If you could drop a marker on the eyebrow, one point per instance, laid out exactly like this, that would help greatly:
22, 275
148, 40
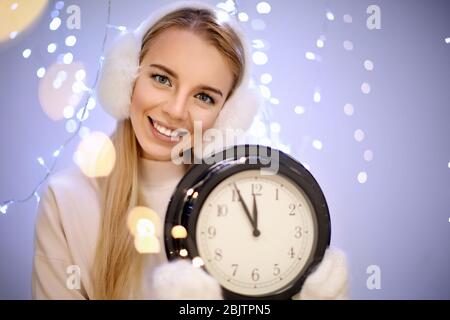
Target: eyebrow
173, 74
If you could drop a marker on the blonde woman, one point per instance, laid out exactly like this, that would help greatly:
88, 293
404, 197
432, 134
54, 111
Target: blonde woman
186, 64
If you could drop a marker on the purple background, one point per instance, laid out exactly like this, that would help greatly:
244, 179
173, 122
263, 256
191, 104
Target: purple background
397, 220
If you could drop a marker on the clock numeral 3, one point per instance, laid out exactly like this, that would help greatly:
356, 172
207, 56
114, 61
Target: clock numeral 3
298, 232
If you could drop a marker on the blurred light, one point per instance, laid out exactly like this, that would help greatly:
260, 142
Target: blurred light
71, 126
54, 14
320, 43
257, 44
266, 78
265, 91
348, 109
84, 131
26, 53
56, 153
368, 65
139, 213
368, 155
3, 209
70, 41
179, 232
348, 18
228, 6
96, 155
258, 24
275, 127
449, 164
365, 88
447, 40
90, 104
82, 114
55, 23
68, 58
316, 97
197, 262
259, 58
222, 16
243, 16
57, 83
147, 244
80, 75
263, 8
330, 16
317, 144
183, 252
41, 161
359, 135
40, 72
59, 5
348, 45
15, 20
68, 112
51, 47
310, 56
13, 34
299, 110
362, 177
145, 227
274, 101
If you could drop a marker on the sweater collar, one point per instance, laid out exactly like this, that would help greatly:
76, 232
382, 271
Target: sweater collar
156, 173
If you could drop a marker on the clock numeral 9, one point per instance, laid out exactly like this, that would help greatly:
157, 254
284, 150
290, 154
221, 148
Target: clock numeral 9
276, 269
211, 232
222, 210
298, 232
255, 274
218, 254
292, 209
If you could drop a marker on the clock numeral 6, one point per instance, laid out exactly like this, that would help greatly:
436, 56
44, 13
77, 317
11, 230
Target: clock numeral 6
222, 210
255, 274
218, 254
211, 232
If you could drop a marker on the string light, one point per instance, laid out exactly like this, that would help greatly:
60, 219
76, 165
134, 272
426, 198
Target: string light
54, 24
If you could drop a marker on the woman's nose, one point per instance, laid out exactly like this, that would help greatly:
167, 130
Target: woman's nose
177, 107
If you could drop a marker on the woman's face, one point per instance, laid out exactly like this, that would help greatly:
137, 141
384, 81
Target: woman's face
182, 79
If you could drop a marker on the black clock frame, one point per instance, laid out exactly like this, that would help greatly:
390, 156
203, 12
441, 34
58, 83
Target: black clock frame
184, 207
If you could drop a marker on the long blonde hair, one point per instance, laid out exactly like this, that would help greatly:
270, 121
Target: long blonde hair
118, 266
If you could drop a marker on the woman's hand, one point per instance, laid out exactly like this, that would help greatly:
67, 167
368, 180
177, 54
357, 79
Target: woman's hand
180, 280
329, 281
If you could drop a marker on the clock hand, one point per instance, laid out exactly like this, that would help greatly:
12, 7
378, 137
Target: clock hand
245, 207
256, 232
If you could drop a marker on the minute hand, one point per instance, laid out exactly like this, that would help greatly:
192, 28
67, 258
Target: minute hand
247, 212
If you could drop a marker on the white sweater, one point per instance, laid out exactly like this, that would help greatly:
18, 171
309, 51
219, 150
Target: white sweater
68, 222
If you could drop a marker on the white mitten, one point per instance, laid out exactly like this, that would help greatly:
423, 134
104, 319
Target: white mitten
180, 280
329, 281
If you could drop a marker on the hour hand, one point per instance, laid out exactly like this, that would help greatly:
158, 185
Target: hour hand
256, 231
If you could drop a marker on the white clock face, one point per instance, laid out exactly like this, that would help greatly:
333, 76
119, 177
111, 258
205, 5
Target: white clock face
256, 256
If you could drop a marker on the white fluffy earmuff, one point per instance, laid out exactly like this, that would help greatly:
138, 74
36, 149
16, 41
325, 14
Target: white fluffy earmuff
121, 64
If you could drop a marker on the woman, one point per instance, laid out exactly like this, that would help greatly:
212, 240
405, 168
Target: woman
183, 66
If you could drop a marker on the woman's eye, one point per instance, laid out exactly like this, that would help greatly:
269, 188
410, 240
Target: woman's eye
161, 79
205, 98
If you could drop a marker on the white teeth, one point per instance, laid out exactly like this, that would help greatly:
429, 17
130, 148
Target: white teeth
167, 132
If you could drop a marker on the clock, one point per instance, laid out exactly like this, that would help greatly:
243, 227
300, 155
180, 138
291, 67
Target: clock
254, 217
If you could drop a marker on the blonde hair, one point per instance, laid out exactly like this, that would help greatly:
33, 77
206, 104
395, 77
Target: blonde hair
117, 268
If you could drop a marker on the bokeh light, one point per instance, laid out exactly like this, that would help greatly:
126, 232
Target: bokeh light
139, 213
179, 232
95, 155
